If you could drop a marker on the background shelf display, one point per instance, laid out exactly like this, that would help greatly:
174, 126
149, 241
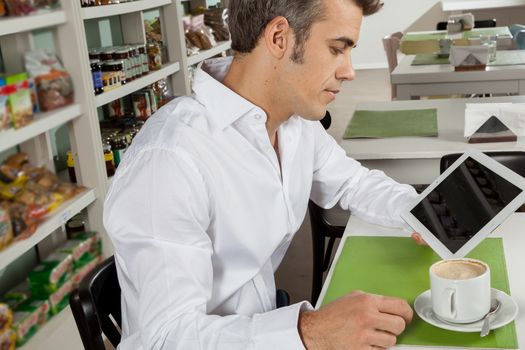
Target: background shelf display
11, 25
153, 76
205, 54
120, 9
53, 221
43, 122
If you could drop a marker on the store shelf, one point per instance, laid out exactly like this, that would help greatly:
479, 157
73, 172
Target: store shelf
42, 123
203, 55
52, 222
59, 332
166, 70
11, 25
121, 9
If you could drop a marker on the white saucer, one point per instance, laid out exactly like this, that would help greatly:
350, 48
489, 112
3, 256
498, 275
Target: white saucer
506, 314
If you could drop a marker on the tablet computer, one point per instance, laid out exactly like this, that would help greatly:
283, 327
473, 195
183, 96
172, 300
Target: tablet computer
465, 204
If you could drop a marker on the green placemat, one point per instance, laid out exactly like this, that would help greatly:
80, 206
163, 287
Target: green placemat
398, 267
413, 122
428, 58
475, 33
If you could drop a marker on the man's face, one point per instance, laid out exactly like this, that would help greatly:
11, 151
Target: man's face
308, 87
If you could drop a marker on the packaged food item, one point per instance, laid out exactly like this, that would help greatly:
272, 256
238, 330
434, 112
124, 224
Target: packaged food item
70, 162
46, 4
116, 109
6, 230
22, 222
75, 224
5, 120
217, 20
6, 317
51, 274
19, 99
19, 7
109, 160
198, 33
80, 249
53, 82
89, 265
8, 340
152, 99
153, 30
154, 56
2, 13
58, 300
96, 74
17, 295
27, 317
92, 236
141, 105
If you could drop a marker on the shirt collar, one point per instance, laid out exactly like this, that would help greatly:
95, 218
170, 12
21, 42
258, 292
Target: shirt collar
226, 105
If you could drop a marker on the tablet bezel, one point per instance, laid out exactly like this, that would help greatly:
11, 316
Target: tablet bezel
494, 166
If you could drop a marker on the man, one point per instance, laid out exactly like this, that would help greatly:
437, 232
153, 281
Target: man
208, 197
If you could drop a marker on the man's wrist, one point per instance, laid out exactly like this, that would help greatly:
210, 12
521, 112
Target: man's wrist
306, 329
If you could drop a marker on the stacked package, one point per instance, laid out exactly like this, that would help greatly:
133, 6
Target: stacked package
25, 308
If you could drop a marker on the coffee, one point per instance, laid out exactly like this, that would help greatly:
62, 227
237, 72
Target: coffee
459, 269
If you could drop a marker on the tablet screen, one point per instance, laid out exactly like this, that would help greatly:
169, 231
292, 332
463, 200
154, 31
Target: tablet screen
463, 203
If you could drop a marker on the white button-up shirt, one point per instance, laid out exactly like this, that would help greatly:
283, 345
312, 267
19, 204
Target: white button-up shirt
201, 213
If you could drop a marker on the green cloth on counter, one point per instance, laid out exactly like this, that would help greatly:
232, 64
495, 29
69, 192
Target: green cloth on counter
413, 122
396, 266
428, 59
442, 34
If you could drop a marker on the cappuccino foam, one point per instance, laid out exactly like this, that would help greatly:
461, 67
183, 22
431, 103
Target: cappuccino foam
459, 269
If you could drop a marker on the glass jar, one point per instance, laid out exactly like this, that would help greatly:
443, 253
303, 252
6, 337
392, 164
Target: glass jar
119, 145
96, 74
108, 159
86, 3
116, 109
143, 59
116, 67
110, 78
75, 224
107, 54
94, 54
135, 61
122, 55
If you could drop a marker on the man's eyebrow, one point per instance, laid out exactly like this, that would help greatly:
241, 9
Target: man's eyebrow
346, 41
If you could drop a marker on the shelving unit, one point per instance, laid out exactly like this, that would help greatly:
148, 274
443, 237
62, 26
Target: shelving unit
121, 9
166, 70
50, 224
204, 55
42, 123
69, 32
12, 25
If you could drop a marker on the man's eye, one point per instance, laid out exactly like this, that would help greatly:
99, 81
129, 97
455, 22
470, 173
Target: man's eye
336, 51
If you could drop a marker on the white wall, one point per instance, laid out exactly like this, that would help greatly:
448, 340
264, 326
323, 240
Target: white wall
395, 16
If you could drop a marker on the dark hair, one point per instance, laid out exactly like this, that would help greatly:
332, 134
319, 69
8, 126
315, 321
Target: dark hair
248, 18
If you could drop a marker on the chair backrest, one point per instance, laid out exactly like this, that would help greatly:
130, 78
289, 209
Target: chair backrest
391, 44
96, 300
514, 160
482, 23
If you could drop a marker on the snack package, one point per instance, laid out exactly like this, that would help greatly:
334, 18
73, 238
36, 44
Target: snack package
19, 102
141, 105
93, 238
217, 20
51, 274
17, 295
6, 317
82, 250
23, 219
58, 300
8, 340
5, 120
53, 83
27, 317
6, 230
89, 265
19, 7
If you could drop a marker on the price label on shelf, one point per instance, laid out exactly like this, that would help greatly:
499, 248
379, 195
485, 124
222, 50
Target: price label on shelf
65, 216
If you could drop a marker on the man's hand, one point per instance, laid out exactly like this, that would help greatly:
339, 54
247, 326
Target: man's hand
355, 321
418, 239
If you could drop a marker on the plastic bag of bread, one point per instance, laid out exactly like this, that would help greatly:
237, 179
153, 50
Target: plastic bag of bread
53, 83
23, 222
19, 7
6, 230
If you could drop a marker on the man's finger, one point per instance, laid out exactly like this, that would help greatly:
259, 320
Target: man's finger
396, 306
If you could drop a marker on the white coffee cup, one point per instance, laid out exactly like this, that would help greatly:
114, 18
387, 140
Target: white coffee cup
460, 289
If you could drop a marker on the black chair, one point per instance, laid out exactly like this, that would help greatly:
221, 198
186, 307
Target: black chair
514, 160
322, 228
96, 300
484, 23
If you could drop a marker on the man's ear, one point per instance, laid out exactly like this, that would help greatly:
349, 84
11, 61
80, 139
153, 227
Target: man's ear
277, 36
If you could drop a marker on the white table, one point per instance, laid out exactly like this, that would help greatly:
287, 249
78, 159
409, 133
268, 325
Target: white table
461, 5
441, 79
415, 160
513, 242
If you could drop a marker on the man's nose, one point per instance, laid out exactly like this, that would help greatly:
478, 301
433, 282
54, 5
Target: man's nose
346, 70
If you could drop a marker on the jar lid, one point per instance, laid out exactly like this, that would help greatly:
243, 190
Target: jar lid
121, 51
94, 60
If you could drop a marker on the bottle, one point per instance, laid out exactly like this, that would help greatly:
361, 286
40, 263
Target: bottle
108, 158
71, 167
96, 73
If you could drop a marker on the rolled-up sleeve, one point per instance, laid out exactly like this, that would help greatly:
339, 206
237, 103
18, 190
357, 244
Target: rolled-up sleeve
157, 213
369, 194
